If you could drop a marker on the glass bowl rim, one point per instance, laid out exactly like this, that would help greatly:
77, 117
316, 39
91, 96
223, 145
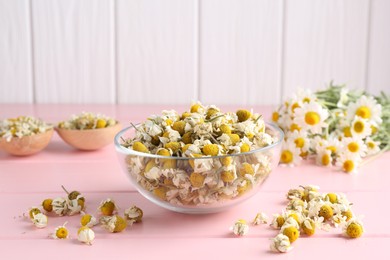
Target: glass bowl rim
122, 149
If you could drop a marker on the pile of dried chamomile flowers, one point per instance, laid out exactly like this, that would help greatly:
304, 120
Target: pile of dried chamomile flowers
74, 203
87, 120
22, 126
307, 211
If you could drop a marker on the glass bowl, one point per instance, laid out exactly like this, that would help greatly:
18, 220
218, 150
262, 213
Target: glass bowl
199, 185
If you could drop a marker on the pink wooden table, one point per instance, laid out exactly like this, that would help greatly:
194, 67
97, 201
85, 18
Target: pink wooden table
26, 181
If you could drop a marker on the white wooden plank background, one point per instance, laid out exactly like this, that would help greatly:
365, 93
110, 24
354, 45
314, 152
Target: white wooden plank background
15, 52
324, 41
72, 48
378, 68
239, 43
154, 51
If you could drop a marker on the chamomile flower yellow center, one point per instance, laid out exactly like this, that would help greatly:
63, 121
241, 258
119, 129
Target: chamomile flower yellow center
348, 166
371, 145
332, 148
347, 131
354, 230
325, 159
62, 233
358, 127
286, 156
373, 129
353, 147
312, 118
275, 116
306, 100
294, 106
294, 127
299, 142
363, 112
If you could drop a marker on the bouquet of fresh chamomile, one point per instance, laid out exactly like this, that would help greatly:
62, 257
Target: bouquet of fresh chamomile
336, 126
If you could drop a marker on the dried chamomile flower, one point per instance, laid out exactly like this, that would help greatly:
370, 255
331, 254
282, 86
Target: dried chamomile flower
22, 126
39, 220
326, 211
87, 120
114, 223
353, 228
33, 211
47, 205
240, 228
291, 232
294, 194
61, 232
261, 218
60, 206
85, 235
108, 207
76, 202
277, 221
134, 214
88, 220
280, 243
309, 226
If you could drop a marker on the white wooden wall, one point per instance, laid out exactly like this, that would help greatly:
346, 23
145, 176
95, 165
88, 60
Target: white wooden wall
175, 51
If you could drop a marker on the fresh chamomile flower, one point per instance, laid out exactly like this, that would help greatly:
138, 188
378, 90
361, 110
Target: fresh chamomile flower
240, 228
114, 223
290, 154
261, 218
88, 220
300, 139
108, 207
61, 232
365, 107
360, 127
60, 206
280, 243
85, 235
304, 96
40, 220
348, 162
354, 146
311, 116
353, 228
372, 146
134, 214
324, 156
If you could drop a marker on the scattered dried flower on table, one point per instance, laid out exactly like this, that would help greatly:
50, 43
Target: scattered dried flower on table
85, 235
280, 243
240, 228
134, 214
61, 232
88, 220
309, 210
108, 207
114, 223
261, 218
337, 126
40, 220
60, 206
47, 205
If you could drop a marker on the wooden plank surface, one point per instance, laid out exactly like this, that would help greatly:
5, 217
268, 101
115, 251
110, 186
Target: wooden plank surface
26, 181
